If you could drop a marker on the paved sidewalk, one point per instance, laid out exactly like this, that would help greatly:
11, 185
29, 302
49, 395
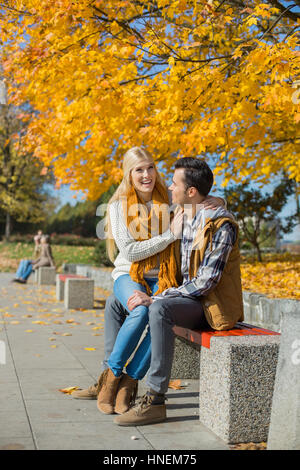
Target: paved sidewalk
45, 351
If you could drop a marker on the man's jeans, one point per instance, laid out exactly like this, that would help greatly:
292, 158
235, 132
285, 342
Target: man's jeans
163, 315
131, 331
24, 269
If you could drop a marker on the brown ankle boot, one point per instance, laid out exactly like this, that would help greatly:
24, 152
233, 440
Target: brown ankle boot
107, 390
126, 394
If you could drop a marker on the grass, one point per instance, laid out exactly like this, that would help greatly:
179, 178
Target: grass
12, 253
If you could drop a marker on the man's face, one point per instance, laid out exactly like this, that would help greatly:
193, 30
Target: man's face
178, 189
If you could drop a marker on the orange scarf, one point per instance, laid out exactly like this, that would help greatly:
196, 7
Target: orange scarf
139, 223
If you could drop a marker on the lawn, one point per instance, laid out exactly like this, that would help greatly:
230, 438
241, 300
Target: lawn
12, 253
277, 276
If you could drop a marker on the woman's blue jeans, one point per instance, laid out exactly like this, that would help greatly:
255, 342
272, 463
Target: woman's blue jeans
131, 331
24, 269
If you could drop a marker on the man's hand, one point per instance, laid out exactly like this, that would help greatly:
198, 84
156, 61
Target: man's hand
138, 298
176, 224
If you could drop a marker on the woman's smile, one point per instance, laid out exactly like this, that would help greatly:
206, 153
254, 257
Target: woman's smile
143, 179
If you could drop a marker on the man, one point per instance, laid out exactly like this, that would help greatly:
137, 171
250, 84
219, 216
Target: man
210, 293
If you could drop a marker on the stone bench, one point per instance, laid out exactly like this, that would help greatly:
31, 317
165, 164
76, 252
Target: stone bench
60, 284
45, 275
79, 293
236, 371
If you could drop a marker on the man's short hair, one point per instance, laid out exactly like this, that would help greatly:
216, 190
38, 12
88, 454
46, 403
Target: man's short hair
197, 174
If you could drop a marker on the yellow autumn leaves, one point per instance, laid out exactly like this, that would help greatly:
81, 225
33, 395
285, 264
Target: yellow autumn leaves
180, 77
278, 278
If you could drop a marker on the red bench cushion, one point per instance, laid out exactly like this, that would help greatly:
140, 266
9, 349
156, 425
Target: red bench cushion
203, 337
63, 277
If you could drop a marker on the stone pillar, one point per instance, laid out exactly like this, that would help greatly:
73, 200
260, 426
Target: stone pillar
237, 376
46, 275
79, 293
284, 432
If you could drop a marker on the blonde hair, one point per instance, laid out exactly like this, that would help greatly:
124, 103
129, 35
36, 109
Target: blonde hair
132, 158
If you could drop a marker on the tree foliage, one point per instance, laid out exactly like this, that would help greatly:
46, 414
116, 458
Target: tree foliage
258, 214
22, 197
80, 219
181, 77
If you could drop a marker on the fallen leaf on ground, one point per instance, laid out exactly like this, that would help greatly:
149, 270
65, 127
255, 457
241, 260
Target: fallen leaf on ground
52, 339
68, 390
90, 349
53, 346
58, 322
14, 322
28, 331
175, 384
39, 322
251, 446
67, 334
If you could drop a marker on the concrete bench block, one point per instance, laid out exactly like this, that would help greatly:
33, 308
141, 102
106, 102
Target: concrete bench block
186, 360
46, 275
60, 288
236, 383
284, 432
79, 293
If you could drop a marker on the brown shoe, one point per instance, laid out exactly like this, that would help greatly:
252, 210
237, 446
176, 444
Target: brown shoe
86, 394
143, 413
107, 387
126, 394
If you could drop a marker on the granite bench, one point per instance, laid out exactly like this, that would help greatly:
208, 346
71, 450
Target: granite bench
236, 371
45, 275
79, 293
60, 284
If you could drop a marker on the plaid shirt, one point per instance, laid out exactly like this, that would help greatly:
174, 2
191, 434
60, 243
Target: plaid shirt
211, 269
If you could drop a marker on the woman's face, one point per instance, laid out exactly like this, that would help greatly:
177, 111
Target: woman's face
143, 177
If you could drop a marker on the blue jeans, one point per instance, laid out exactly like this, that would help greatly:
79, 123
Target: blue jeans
24, 269
131, 331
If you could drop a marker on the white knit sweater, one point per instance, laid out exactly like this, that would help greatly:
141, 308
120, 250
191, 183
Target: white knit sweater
131, 250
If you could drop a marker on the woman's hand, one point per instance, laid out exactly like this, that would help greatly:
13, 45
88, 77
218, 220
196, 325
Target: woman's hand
138, 298
176, 224
212, 202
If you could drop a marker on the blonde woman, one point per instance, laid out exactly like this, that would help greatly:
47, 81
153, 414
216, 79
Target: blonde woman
139, 228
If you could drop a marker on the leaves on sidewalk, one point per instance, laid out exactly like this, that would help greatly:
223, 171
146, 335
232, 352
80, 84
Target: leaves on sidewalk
176, 384
68, 390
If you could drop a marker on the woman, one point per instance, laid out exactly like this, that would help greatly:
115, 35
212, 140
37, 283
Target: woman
46, 257
138, 225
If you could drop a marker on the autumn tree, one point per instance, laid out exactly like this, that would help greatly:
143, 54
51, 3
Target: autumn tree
258, 213
22, 176
183, 78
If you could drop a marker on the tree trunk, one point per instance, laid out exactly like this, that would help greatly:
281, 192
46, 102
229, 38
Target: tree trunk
8, 226
259, 257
